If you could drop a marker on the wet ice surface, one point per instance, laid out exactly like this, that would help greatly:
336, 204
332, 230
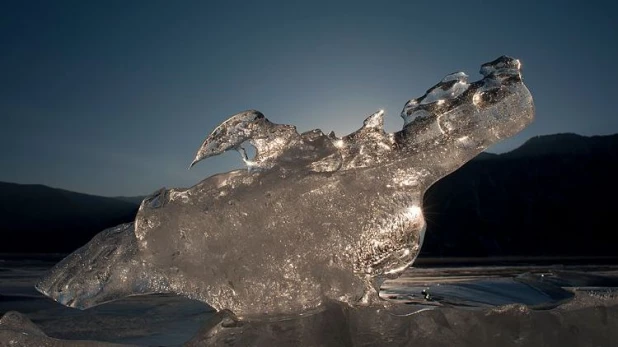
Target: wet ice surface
482, 319
316, 218
584, 324
166, 320
538, 287
145, 321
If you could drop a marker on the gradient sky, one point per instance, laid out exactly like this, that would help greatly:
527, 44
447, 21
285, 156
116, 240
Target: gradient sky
114, 97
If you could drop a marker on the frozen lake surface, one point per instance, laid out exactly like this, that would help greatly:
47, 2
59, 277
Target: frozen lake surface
463, 303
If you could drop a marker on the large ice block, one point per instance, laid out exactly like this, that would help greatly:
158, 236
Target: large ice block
317, 218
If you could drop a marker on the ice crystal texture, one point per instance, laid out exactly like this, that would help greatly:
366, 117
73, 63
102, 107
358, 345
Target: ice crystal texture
316, 217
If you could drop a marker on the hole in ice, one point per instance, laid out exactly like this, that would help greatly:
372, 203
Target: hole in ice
250, 150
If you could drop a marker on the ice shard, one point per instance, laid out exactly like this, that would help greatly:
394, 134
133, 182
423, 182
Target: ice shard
317, 218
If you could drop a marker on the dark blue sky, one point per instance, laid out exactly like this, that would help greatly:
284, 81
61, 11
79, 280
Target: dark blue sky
114, 97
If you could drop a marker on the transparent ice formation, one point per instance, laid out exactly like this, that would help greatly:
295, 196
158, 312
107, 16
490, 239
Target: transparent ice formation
317, 218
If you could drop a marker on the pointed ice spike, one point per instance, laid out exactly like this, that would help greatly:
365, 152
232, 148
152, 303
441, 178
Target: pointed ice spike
195, 161
229, 135
375, 121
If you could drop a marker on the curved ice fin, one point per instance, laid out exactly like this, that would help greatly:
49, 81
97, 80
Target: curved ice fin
230, 134
269, 139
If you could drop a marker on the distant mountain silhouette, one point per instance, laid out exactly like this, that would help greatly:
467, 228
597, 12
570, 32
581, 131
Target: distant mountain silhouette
37, 218
553, 196
567, 144
137, 200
